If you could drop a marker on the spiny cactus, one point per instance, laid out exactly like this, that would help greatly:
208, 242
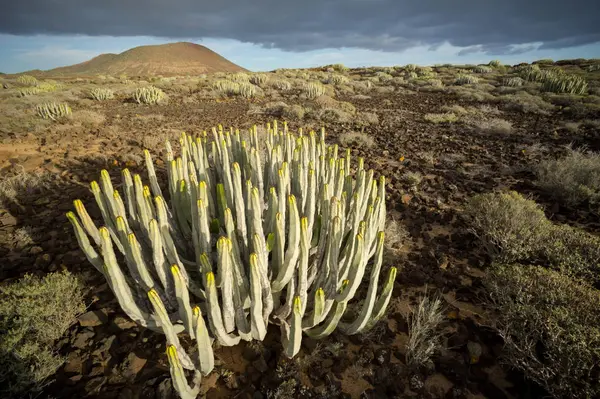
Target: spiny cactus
411, 75
229, 88
259, 79
101, 94
239, 77
336, 79
49, 86
27, 80
53, 110
563, 83
514, 81
464, 79
243, 242
148, 95
29, 91
482, 69
495, 63
313, 89
281, 84
411, 67
248, 90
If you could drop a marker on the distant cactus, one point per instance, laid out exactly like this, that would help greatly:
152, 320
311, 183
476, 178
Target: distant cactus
383, 76
412, 75
495, 63
259, 79
239, 77
514, 81
593, 68
247, 90
281, 84
336, 79
464, 79
49, 85
339, 68
27, 80
101, 94
563, 83
313, 89
531, 73
54, 111
29, 91
226, 87
148, 95
411, 67
482, 69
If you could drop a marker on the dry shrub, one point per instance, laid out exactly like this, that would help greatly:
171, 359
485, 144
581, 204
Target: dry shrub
455, 109
34, 313
367, 118
294, 112
494, 126
550, 327
357, 139
413, 179
509, 226
526, 103
19, 183
572, 180
573, 252
424, 336
88, 118
447, 117
334, 115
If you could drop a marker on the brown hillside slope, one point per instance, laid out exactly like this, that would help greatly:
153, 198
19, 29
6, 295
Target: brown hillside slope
180, 58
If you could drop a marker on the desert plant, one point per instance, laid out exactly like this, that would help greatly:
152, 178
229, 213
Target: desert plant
27, 80
593, 68
563, 83
49, 86
29, 91
550, 327
447, 117
34, 313
513, 81
239, 77
573, 252
464, 79
383, 76
259, 79
509, 226
482, 69
313, 89
281, 84
531, 73
285, 241
101, 94
424, 337
411, 75
495, 63
339, 67
54, 111
572, 180
494, 125
411, 67
359, 139
148, 95
336, 79
226, 87
247, 90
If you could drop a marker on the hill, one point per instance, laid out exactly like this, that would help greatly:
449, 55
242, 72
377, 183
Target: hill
180, 58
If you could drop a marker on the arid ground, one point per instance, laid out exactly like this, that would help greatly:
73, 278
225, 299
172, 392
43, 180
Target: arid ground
438, 141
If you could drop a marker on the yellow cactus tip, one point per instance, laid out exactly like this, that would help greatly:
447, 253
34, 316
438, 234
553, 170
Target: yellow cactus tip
171, 351
196, 310
174, 269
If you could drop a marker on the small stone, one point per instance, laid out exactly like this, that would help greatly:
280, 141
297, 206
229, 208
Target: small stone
74, 364
123, 324
43, 260
474, 352
95, 384
132, 365
165, 390
82, 339
327, 363
382, 356
74, 379
261, 365
92, 318
7, 219
35, 250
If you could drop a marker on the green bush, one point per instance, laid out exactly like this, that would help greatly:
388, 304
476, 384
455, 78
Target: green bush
573, 252
34, 313
550, 326
572, 180
510, 226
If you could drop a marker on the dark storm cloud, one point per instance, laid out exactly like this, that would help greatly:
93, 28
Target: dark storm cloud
490, 26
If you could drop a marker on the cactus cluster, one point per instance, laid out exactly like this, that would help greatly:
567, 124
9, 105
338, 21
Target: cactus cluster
563, 83
336, 79
239, 77
148, 95
243, 242
229, 88
101, 94
495, 63
281, 84
53, 110
259, 79
482, 69
27, 80
531, 73
313, 89
513, 81
465, 79
29, 91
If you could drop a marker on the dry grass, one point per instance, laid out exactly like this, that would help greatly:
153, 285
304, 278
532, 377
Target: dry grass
447, 117
574, 179
20, 183
356, 139
88, 118
494, 126
413, 179
424, 335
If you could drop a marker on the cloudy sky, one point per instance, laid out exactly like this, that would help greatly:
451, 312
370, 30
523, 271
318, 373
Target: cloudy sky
269, 34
